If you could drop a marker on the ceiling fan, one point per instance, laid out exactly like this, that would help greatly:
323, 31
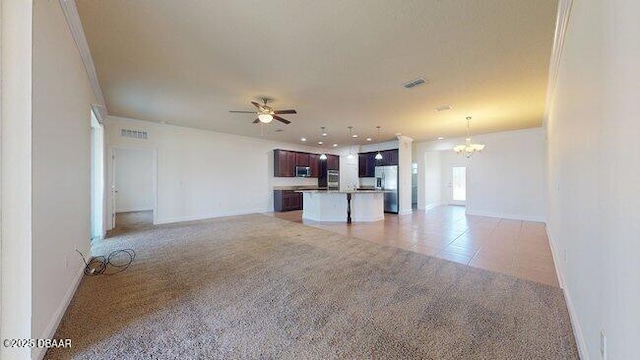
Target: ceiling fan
266, 113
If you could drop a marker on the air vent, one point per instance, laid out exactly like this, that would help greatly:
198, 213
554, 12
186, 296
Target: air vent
413, 83
134, 134
444, 108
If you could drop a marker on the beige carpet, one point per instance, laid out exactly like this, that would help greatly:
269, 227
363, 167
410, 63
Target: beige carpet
257, 287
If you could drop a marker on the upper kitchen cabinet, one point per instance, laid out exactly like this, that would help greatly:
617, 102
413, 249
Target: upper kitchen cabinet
367, 162
314, 164
333, 162
302, 159
366, 165
284, 163
389, 157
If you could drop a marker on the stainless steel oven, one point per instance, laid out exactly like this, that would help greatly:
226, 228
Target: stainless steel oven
333, 179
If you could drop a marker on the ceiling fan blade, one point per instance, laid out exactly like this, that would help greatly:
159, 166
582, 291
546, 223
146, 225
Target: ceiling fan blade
256, 104
242, 112
285, 112
281, 119
256, 121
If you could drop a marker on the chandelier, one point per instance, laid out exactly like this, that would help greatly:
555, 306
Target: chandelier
468, 148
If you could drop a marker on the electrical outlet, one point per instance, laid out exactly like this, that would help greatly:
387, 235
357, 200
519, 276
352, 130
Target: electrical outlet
603, 345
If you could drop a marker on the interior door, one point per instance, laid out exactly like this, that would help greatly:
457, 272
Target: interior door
457, 185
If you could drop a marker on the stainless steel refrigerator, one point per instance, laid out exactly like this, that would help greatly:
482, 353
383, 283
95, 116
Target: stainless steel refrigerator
387, 180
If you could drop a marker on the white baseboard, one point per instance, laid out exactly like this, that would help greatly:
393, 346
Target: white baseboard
161, 221
506, 216
431, 206
50, 331
575, 324
133, 209
405, 212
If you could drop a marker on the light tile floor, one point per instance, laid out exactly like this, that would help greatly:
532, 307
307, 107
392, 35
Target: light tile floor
514, 247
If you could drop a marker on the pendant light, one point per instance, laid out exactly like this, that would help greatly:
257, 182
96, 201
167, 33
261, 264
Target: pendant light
323, 132
378, 155
350, 156
468, 148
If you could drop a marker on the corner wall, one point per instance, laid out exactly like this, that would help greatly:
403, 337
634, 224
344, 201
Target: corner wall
62, 99
16, 175
594, 175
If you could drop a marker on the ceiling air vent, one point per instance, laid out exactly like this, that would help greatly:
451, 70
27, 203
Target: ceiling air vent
443, 108
413, 83
134, 134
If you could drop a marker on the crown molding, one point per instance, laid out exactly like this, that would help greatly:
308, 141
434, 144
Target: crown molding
562, 22
75, 26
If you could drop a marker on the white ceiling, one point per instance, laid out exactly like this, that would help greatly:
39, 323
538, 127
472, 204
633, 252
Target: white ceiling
339, 63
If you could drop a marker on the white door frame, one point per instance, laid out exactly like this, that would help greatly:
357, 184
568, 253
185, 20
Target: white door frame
111, 165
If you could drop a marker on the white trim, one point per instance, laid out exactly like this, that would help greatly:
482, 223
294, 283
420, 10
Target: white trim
50, 331
405, 212
211, 216
506, 216
562, 21
75, 26
432, 206
134, 209
573, 315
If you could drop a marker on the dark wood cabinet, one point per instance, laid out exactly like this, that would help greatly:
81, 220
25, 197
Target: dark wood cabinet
367, 162
367, 165
314, 164
389, 157
333, 162
286, 200
302, 159
285, 162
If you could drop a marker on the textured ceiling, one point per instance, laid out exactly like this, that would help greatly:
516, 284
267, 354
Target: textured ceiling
339, 63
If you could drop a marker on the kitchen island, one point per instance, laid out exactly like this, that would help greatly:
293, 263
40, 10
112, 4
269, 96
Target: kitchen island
343, 206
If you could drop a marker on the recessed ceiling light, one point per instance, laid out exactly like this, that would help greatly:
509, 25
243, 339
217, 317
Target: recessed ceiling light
303, 139
324, 134
335, 145
354, 136
440, 138
443, 108
319, 142
369, 139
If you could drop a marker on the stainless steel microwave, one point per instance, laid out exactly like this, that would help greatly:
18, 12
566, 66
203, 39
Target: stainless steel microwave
303, 171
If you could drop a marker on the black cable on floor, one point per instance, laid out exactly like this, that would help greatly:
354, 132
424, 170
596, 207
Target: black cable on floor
100, 265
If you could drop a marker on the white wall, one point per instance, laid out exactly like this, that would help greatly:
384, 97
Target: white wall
594, 175
134, 179
15, 116
62, 99
431, 170
203, 174
97, 179
507, 179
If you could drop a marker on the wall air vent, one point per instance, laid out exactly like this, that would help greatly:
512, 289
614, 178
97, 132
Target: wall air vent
413, 83
134, 134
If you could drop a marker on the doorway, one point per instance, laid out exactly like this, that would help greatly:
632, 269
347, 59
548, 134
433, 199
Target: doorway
414, 186
458, 185
132, 179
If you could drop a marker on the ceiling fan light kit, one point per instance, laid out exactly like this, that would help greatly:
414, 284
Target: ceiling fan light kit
266, 113
468, 148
